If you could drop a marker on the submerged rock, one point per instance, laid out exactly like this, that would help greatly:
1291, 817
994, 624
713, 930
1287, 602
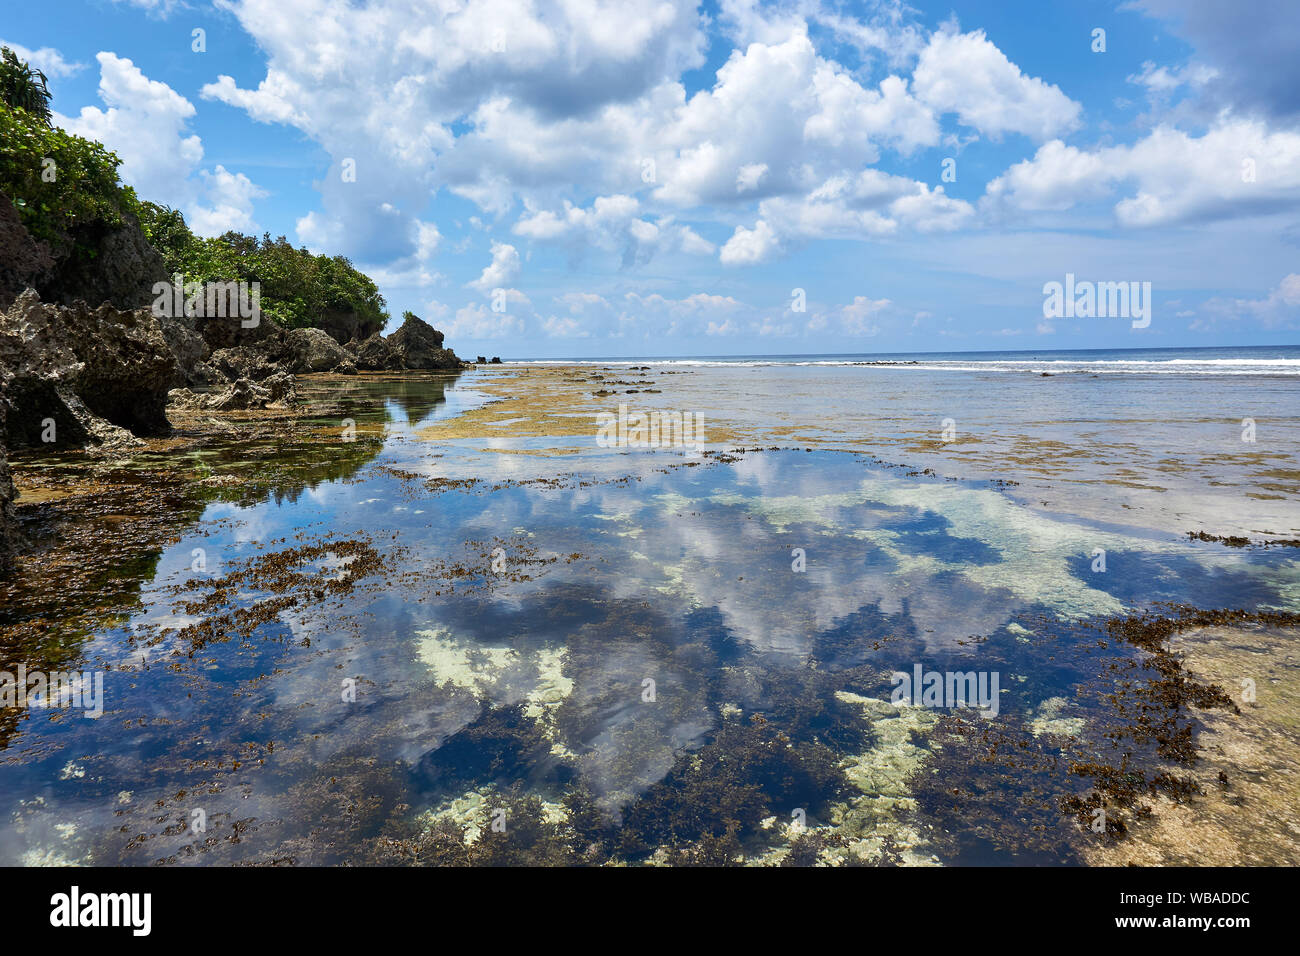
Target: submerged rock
8, 526
74, 375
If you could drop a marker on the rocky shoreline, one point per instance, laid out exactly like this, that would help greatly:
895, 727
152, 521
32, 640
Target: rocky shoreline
104, 378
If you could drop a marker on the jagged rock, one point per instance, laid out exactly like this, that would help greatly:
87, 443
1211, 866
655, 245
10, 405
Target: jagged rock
240, 395
347, 326
190, 349
122, 271
278, 390
496, 360
95, 374
229, 331
24, 261
283, 388
244, 361
376, 355
419, 346
311, 350
481, 360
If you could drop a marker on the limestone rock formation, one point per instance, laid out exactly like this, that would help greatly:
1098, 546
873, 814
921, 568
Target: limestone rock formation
310, 350
88, 373
24, 262
276, 391
418, 345
376, 355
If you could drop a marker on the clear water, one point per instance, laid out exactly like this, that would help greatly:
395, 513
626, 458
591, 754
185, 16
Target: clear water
680, 642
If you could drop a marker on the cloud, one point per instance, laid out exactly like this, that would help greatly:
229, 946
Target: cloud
612, 222
163, 8
501, 271
1280, 309
230, 203
964, 73
1254, 54
750, 246
513, 62
1238, 167
870, 205
47, 59
1161, 81
477, 322
145, 122
861, 316
735, 140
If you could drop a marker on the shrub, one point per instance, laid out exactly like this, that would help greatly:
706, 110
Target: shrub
70, 198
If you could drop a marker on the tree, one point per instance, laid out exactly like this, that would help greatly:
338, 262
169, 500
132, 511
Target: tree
23, 88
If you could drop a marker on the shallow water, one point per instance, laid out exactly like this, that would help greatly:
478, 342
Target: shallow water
686, 647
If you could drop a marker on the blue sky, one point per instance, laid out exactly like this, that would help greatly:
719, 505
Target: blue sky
545, 178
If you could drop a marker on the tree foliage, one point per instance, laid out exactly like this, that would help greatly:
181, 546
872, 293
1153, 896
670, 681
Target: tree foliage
64, 186
297, 287
22, 88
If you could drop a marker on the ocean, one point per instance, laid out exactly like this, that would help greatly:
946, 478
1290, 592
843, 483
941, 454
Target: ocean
893, 614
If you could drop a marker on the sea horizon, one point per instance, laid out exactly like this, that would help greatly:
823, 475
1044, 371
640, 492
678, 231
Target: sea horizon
1246, 355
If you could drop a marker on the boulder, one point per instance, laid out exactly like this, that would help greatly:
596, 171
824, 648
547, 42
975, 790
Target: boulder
241, 394
347, 326
229, 331
419, 346
376, 355
98, 374
243, 361
310, 350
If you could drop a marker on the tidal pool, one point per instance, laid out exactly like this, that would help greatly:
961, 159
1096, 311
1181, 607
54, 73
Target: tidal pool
431, 654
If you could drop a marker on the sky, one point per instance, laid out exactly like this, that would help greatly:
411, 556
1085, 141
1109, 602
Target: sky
566, 178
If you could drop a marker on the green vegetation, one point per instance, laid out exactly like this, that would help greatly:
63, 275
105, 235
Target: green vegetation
65, 187
67, 192
297, 288
23, 88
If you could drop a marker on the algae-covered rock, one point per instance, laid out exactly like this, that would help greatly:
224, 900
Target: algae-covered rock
8, 526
